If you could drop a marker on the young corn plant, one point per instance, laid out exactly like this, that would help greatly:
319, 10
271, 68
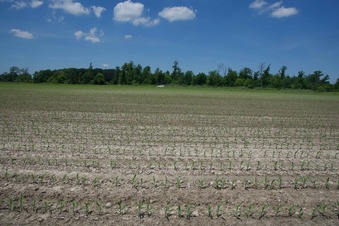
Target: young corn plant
201, 184
291, 210
237, 211
179, 210
120, 207
87, 208
296, 183
34, 206
188, 212
74, 207
263, 211
314, 213
304, 181
218, 183
167, 212
327, 183
322, 207
139, 210
218, 210
149, 209
280, 182
272, 184
11, 205
61, 206
154, 182
256, 183
249, 211
233, 184
209, 211
266, 182
179, 181
175, 165
246, 184
134, 181
277, 210
21, 202
99, 207
301, 212
47, 205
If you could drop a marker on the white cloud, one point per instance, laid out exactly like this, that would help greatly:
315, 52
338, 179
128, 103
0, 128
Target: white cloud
19, 5
284, 12
98, 10
21, 34
79, 34
26, 4
69, 6
131, 12
275, 5
36, 3
146, 21
258, 4
128, 36
92, 36
276, 9
177, 13
127, 11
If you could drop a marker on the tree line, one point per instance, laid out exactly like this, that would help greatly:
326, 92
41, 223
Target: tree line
130, 73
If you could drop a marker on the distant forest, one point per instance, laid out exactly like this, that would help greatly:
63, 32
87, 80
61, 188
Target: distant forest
131, 74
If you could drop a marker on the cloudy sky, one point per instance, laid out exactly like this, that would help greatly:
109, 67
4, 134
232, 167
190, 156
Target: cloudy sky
200, 34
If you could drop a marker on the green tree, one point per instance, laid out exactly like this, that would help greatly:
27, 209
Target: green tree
214, 78
239, 82
315, 80
188, 78
177, 75
42, 76
147, 76
336, 85
88, 76
245, 73
265, 77
200, 79
275, 81
99, 79
159, 76
230, 77
282, 72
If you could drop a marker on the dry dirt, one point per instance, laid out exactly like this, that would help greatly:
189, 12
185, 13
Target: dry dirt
146, 158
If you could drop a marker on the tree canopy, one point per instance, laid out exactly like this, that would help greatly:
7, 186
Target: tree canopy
130, 73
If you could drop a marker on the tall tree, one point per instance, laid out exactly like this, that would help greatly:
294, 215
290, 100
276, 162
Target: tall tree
200, 79
282, 72
265, 77
188, 78
175, 76
231, 77
214, 79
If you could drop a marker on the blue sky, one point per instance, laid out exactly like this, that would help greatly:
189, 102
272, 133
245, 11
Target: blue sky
200, 34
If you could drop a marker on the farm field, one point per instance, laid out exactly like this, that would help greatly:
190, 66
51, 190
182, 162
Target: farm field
141, 155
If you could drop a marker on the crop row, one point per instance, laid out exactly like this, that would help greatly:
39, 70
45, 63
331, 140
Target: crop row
227, 165
135, 181
146, 208
169, 150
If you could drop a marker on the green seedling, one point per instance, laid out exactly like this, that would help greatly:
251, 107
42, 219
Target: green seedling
188, 212
218, 211
209, 211
263, 211
237, 211
249, 211
166, 212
